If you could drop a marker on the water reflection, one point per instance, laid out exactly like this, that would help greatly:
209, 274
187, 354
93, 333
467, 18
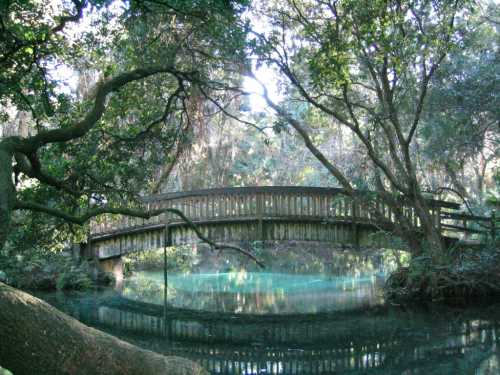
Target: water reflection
380, 341
347, 280
257, 293
324, 317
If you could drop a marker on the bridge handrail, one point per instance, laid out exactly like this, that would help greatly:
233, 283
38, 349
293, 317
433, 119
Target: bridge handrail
276, 189
258, 203
461, 222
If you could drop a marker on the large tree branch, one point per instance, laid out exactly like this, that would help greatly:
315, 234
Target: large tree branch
82, 219
392, 146
309, 143
31, 167
32, 144
426, 77
389, 100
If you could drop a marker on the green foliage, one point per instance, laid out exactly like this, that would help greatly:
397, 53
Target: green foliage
143, 122
179, 259
74, 277
460, 128
45, 271
455, 277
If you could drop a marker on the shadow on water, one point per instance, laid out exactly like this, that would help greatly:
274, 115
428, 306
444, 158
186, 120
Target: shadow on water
242, 322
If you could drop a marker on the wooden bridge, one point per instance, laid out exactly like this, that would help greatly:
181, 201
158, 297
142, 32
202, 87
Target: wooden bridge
273, 213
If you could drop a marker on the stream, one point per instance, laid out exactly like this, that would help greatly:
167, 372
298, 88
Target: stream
291, 320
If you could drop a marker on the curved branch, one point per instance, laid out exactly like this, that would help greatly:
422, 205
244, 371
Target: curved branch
79, 129
82, 219
31, 167
79, 5
159, 120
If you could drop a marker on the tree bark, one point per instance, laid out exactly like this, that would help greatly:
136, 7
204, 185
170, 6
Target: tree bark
431, 234
36, 338
7, 193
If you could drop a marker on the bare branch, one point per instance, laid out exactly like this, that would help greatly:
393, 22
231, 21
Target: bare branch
308, 142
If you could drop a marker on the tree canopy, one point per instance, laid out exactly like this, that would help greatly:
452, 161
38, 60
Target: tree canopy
102, 101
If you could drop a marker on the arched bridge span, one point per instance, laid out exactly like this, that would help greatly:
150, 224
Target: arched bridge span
260, 214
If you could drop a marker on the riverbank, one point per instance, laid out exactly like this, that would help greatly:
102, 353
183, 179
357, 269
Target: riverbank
51, 271
458, 277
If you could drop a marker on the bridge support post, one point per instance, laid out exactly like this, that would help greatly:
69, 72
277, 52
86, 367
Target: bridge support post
113, 266
260, 216
167, 242
355, 215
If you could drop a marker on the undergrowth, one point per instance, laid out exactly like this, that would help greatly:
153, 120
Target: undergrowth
457, 276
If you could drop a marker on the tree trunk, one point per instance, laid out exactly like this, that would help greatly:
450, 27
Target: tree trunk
431, 233
7, 194
36, 338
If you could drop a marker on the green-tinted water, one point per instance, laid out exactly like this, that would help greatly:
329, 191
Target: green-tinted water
257, 292
247, 322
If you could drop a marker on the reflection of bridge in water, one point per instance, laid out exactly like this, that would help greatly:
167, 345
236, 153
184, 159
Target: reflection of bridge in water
265, 214
354, 342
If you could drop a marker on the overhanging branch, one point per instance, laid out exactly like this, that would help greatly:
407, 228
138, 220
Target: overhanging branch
32, 144
82, 219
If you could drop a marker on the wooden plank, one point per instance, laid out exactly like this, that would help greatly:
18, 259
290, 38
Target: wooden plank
451, 215
463, 229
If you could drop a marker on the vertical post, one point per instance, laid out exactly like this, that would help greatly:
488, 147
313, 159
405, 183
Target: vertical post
89, 245
167, 241
493, 226
466, 234
260, 214
354, 217
89, 238
438, 218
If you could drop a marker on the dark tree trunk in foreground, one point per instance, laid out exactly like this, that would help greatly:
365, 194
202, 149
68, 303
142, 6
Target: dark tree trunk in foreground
7, 194
36, 338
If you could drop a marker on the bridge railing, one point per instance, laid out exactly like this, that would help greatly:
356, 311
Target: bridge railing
468, 225
262, 203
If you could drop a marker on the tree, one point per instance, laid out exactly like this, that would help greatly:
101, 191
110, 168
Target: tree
85, 155
367, 66
460, 128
